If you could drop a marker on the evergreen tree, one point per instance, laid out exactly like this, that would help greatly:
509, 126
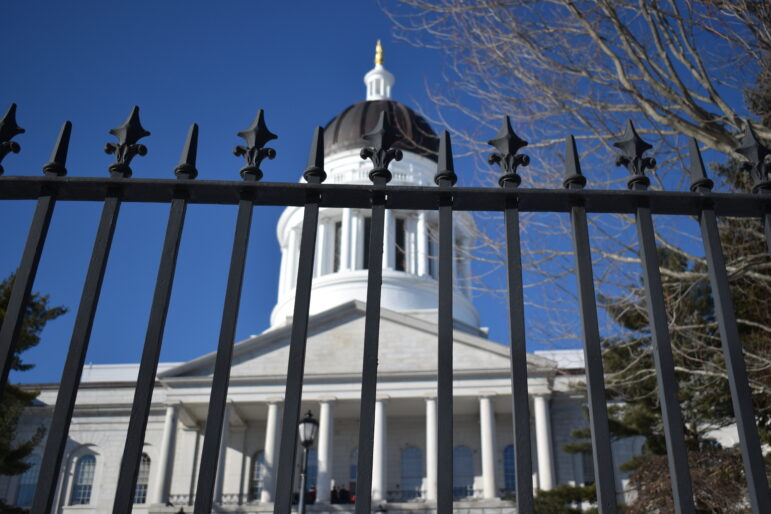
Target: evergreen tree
14, 453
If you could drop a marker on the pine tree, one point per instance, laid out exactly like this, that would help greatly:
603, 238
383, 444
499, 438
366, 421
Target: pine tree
13, 452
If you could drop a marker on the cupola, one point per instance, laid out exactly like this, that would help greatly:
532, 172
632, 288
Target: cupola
410, 265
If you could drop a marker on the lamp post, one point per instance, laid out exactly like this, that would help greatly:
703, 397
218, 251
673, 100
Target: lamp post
308, 428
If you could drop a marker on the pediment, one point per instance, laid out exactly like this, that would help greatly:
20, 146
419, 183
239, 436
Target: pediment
407, 345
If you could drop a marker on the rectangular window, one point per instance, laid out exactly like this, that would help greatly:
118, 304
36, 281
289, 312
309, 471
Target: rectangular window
401, 255
338, 243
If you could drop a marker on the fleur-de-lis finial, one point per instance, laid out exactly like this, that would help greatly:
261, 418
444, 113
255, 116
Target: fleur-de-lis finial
315, 173
445, 169
56, 166
755, 153
8, 130
574, 178
382, 137
700, 182
127, 147
256, 136
508, 144
186, 168
632, 147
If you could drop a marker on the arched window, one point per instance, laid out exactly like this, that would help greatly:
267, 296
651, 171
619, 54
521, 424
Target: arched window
83, 480
27, 482
412, 472
509, 470
257, 479
462, 472
143, 478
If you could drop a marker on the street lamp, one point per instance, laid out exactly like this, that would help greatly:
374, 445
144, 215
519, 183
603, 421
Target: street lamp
308, 427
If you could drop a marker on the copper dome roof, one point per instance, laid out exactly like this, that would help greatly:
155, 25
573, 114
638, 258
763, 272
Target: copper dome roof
345, 131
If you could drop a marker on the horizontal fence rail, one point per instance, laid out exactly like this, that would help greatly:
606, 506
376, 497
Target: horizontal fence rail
574, 198
222, 192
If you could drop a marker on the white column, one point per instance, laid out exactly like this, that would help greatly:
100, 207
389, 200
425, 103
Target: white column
380, 456
544, 442
389, 240
346, 246
166, 461
272, 435
422, 235
322, 238
325, 452
487, 432
220, 480
410, 228
357, 242
291, 265
432, 449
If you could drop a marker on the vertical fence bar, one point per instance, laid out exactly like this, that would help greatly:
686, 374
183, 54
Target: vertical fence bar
143, 394
256, 136
741, 395
296, 365
73, 366
369, 367
672, 417
632, 149
207, 473
25, 274
598, 408
381, 155
508, 144
125, 150
445, 178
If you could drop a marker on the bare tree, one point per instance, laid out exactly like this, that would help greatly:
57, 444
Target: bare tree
680, 66
678, 69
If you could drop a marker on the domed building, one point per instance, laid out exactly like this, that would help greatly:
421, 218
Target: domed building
405, 446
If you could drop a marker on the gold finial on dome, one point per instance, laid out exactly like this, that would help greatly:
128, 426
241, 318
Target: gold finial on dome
378, 53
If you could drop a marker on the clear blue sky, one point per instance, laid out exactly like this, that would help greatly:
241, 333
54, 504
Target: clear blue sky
182, 62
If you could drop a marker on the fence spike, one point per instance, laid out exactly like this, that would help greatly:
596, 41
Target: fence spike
186, 167
700, 182
508, 143
56, 166
632, 148
127, 147
315, 172
382, 138
755, 152
574, 179
445, 169
8, 130
256, 136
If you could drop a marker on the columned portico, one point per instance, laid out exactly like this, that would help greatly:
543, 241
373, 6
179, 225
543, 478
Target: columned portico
544, 442
325, 450
380, 455
487, 433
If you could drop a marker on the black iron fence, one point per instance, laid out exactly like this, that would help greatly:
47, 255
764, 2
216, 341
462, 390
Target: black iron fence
55, 186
